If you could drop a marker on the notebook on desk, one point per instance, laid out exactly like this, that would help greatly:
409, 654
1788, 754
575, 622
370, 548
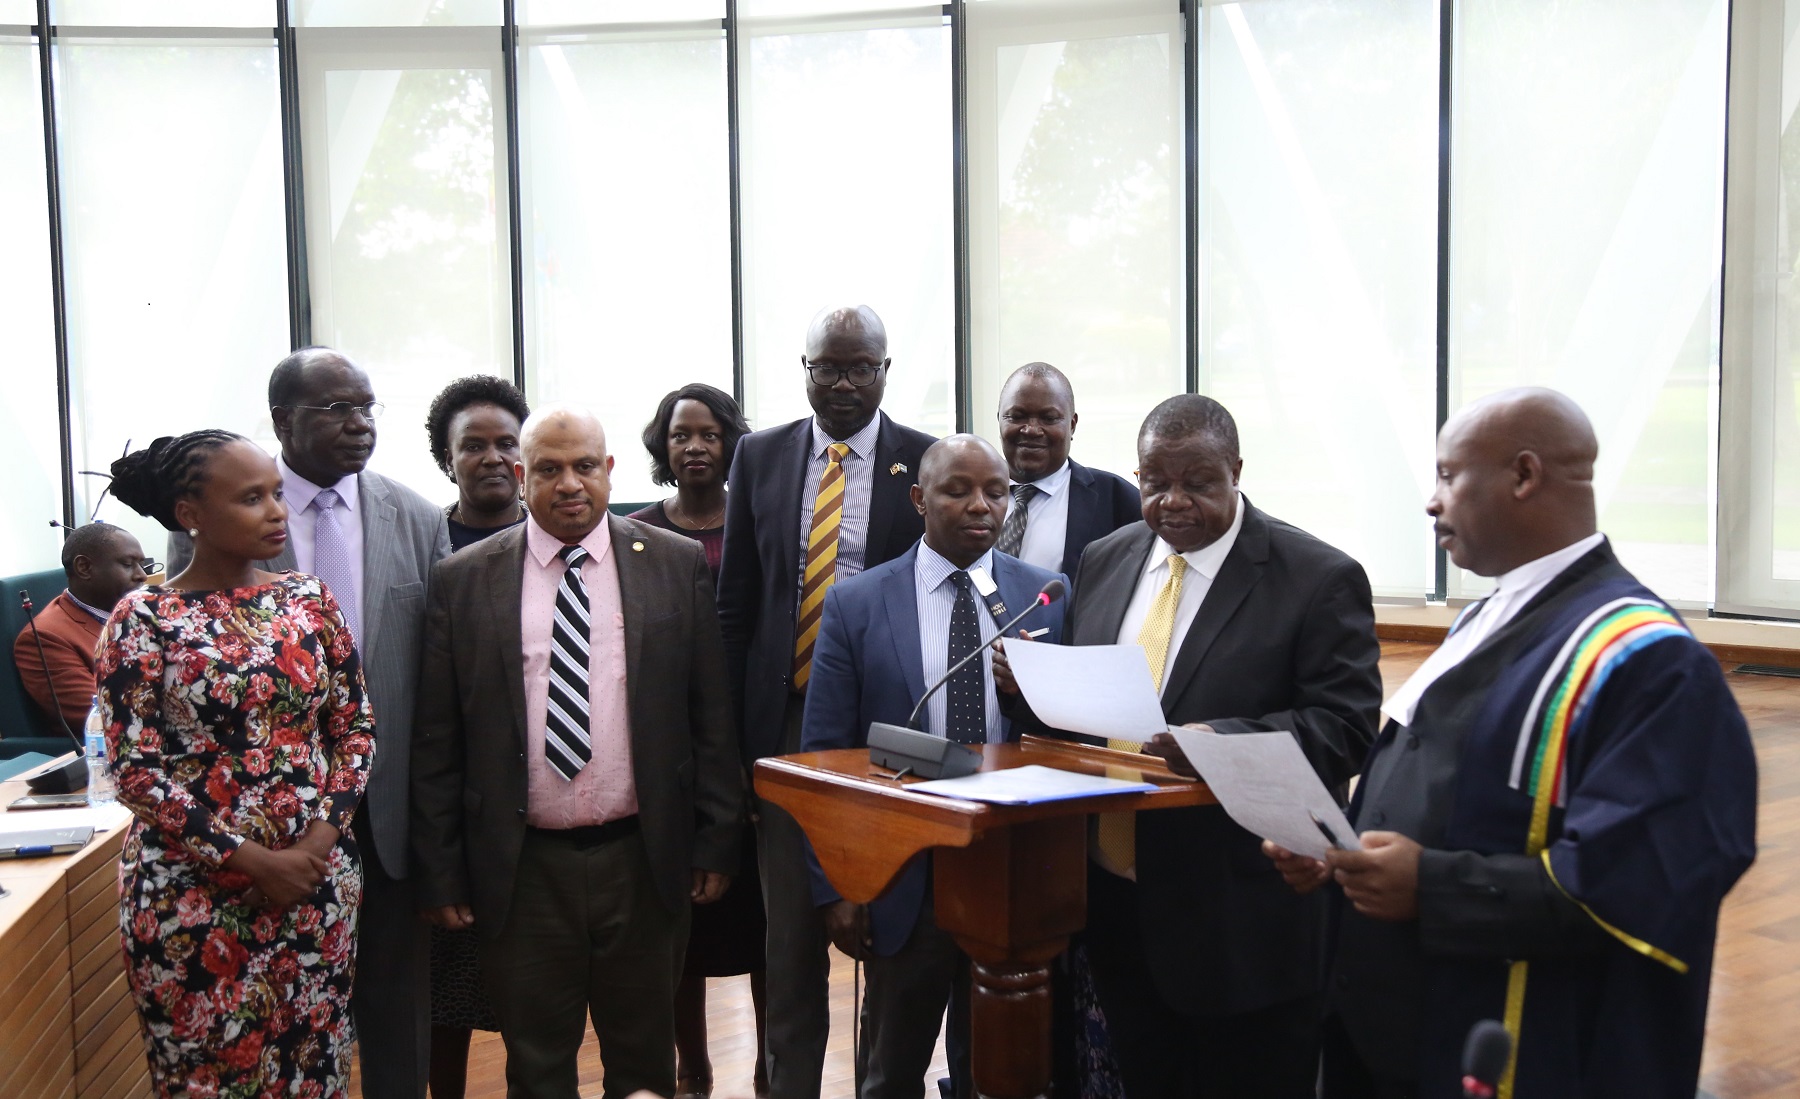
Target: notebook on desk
26, 843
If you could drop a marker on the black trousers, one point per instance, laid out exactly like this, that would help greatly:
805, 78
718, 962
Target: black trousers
1167, 1053
587, 937
1347, 1076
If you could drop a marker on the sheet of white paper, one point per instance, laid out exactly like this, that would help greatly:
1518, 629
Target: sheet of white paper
1026, 785
1264, 782
100, 818
1099, 690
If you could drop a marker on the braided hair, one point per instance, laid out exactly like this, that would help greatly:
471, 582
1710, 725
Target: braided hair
151, 480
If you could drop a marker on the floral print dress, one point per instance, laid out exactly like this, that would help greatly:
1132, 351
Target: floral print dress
236, 715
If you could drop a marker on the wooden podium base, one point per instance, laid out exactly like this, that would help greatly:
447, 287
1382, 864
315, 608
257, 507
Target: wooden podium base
1010, 881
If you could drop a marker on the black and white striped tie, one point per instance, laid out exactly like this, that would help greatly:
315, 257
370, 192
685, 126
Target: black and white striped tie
566, 743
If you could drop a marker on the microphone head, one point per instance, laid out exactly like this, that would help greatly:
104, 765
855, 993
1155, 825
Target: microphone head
1486, 1050
1051, 592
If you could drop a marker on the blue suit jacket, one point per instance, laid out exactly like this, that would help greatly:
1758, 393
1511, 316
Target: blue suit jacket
867, 667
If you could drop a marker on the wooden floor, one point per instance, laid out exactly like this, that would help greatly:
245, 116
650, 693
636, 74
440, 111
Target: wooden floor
1753, 1030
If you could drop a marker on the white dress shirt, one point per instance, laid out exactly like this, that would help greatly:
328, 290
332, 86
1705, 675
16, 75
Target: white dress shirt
1047, 520
1203, 568
859, 485
302, 521
936, 599
1512, 590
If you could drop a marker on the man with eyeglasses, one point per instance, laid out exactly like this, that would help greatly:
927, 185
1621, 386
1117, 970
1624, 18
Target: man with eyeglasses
55, 651
372, 541
812, 503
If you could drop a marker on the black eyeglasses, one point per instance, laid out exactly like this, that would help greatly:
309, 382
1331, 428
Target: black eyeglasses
343, 410
860, 374
151, 566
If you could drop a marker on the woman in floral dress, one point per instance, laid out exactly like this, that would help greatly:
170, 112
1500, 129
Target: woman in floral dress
241, 739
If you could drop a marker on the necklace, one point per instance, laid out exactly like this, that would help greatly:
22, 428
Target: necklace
456, 514
688, 523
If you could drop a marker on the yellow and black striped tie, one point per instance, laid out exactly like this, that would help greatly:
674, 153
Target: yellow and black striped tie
821, 560
1116, 833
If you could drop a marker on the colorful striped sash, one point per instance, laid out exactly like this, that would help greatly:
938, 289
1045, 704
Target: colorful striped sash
1559, 710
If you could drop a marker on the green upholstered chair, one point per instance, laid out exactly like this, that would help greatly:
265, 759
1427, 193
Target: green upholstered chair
24, 726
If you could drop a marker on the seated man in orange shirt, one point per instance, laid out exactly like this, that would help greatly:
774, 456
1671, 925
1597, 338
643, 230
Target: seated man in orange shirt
102, 563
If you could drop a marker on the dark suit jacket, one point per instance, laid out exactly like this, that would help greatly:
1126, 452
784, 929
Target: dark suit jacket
469, 781
1285, 640
70, 636
403, 534
759, 580
867, 667
1099, 503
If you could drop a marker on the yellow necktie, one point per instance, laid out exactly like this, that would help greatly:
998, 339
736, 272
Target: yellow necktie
1115, 840
821, 560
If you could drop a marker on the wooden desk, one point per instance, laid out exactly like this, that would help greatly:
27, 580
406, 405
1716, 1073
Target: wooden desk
67, 1026
1010, 881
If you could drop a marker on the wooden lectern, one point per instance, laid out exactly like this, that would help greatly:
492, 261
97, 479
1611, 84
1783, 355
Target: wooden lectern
1010, 880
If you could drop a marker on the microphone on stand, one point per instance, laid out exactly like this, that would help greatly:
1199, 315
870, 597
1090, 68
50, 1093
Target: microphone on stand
909, 749
1485, 1054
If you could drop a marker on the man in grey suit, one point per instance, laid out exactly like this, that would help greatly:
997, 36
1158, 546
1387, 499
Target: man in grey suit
373, 541
576, 781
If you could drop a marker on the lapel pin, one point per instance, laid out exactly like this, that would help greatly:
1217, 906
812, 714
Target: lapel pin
896, 469
637, 547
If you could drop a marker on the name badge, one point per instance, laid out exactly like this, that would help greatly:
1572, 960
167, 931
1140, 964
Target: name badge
982, 581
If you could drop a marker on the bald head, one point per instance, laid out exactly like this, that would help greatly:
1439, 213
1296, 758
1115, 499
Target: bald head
837, 321
561, 420
956, 452
962, 493
566, 470
1515, 479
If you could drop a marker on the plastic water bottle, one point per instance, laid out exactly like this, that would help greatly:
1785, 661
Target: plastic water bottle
100, 787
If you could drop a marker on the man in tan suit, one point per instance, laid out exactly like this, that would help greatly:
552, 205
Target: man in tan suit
575, 776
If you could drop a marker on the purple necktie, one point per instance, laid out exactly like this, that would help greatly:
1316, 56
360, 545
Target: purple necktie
332, 562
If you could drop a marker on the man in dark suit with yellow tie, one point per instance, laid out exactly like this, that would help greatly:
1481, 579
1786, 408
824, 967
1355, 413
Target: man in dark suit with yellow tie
812, 502
1207, 966
574, 779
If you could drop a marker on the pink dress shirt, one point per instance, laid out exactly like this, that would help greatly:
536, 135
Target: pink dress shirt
604, 789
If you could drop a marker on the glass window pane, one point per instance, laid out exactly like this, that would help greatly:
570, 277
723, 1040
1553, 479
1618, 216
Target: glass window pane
846, 171
1319, 261
174, 244
1077, 252
18, 12
405, 219
787, 9
161, 13
33, 495
395, 13
1587, 256
542, 13
627, 208
1782, 384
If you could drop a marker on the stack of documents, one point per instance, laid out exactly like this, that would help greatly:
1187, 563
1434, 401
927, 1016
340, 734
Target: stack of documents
1262, 780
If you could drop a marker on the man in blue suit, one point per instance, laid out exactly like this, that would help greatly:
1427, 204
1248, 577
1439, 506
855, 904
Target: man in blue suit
886, 634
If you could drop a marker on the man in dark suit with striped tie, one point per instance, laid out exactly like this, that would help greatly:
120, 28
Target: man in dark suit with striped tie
812, 502
1058, 504
575, 783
